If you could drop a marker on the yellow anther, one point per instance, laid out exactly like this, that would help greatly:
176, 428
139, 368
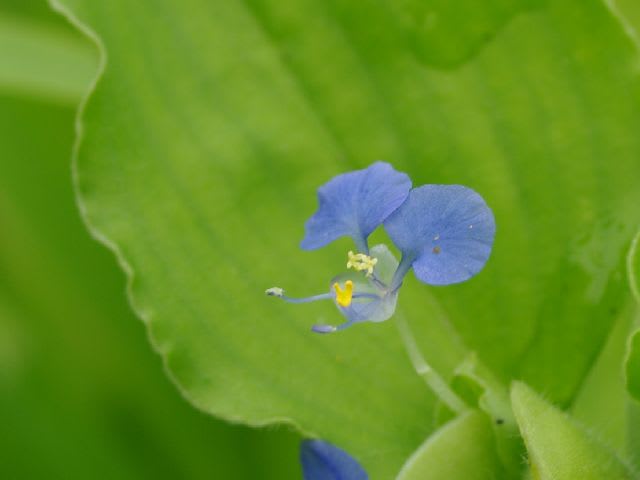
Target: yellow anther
360, 262
343, 297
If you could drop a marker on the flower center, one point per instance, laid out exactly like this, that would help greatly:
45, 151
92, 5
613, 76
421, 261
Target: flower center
343, 297
360, 262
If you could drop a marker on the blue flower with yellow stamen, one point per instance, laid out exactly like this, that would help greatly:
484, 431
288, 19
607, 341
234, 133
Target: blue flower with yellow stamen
444, 232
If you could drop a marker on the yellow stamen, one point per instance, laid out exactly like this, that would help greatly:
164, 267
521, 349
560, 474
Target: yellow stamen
343, 297
360, 262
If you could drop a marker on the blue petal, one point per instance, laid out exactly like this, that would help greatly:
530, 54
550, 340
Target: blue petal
323, 461
446, 232
354, 204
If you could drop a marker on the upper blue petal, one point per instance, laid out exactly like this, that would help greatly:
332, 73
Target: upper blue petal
323, 461
354, 204
447, 230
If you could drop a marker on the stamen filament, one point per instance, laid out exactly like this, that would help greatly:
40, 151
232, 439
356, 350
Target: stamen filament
379, 283
279, 293
366, 295
331, 328
313, 298
323, 328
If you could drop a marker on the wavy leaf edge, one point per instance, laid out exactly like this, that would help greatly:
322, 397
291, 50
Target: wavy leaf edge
122, 261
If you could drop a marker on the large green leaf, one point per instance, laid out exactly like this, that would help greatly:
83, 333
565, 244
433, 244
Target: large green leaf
558, 447
81, 394
214, 122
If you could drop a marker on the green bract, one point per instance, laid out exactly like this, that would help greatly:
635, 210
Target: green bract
560, 449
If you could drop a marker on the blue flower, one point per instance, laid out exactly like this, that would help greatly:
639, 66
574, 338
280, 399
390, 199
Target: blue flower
444, 232
323, 461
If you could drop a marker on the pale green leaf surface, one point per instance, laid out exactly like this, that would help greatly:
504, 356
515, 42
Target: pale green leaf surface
558, 447
214, 123
462, 449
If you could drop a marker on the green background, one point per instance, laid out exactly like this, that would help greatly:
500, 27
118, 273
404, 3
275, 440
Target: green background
82, 395
202, 146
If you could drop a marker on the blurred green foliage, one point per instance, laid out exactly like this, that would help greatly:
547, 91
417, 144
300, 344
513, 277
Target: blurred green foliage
82, 395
